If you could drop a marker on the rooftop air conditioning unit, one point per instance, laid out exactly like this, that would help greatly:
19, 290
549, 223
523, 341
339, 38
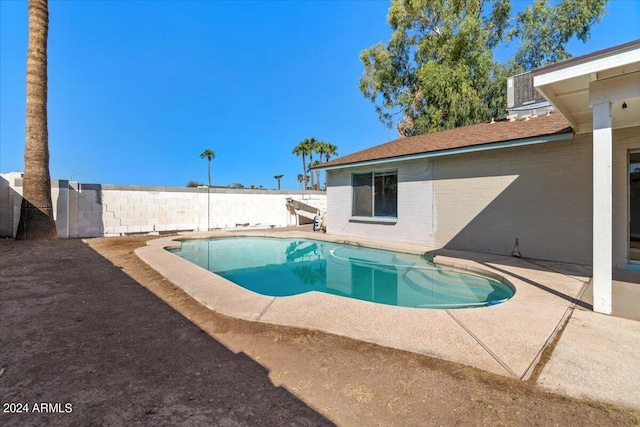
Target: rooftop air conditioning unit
522, 97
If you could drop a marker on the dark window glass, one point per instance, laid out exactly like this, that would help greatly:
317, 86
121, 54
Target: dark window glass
386, 195
362, 194
375, 194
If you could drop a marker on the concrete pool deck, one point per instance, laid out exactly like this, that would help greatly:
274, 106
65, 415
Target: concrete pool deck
506, 339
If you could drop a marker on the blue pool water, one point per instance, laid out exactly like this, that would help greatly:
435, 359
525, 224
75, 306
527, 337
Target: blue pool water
284, 267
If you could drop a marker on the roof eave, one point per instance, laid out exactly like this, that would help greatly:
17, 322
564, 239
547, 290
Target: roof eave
562, 136
591, 62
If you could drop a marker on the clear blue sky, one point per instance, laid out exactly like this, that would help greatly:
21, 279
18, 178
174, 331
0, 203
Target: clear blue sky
138, 89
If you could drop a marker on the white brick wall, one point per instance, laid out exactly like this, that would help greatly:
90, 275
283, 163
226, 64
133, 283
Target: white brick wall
11, 199
90, 210
7, 199
415, 209
133, 211
540, 194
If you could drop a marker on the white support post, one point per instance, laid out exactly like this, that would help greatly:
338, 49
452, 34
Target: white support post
602, 207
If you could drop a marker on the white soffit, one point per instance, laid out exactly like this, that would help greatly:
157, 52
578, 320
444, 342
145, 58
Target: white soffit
566, 85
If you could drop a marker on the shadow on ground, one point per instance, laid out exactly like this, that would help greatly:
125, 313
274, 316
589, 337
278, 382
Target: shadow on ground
76, 329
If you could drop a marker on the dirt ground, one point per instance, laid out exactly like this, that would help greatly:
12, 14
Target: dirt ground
79, 326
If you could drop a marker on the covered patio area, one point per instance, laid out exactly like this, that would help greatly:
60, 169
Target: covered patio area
599, 93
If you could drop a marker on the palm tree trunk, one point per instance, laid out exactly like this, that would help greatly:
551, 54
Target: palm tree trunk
304, 170
310, 163
325, 171
209, 171
320, 153
36, 213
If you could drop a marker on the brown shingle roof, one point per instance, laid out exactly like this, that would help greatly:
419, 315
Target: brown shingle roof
467, 136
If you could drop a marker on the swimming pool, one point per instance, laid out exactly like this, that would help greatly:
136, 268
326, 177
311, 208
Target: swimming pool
284, 267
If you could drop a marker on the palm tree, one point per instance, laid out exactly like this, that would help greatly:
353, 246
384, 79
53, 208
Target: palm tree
209, 155
300, 179
299, 150
315, 163
303, 149
321, 148
313, 145
329, 150
36, 212
278, 177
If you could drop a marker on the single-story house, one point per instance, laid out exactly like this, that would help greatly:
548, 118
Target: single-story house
563, 181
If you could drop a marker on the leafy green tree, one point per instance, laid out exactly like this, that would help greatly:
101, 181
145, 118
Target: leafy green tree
36, 212
545, 29
209, 155
278, 178
438, 71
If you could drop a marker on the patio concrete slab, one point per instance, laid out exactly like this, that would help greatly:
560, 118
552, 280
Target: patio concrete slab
625, 295
517, 331
596, 358
506, 339
577, 271
431, 332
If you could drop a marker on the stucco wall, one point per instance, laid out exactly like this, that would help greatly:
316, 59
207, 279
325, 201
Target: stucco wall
415, 204
90, 210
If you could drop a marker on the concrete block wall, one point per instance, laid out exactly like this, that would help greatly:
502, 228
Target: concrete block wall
60, 193
11, 200
122, 210
8, 216
415, 204
540, 194
91, 210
